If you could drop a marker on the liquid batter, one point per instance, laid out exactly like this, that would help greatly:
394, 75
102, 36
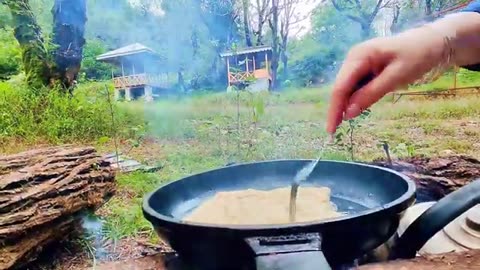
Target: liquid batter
257, 207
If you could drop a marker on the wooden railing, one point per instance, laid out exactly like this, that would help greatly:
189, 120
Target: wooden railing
240, 76
160, 80
235, 77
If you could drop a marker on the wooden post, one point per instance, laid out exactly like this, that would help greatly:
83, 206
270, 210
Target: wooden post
116, 94
228, 70
246, 63
128, 94
266, 62
455, 72
148, 93
254, 68
123, 70
133, 69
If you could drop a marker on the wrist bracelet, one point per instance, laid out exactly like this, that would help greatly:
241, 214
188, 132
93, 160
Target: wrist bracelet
448, 54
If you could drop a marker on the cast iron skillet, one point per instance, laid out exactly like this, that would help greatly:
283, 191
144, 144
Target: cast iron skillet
373, 197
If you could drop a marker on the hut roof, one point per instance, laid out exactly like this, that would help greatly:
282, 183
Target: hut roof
246, 51
132, 49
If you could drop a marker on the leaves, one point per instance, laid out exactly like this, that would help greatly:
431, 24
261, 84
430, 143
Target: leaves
103, 140
345, 133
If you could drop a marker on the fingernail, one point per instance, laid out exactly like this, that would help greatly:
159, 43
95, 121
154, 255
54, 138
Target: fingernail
352, 112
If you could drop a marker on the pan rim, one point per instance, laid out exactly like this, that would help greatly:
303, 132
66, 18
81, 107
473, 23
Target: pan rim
401, 202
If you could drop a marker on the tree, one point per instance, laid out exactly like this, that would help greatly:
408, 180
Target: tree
194, 33
363, 13
290, 17
10, 55
396, 9
69, 19
50, 64
411, 13
315, 58
428, 9
274, 28
246, 23
262, 11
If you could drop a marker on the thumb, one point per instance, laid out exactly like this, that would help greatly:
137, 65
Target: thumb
387, 81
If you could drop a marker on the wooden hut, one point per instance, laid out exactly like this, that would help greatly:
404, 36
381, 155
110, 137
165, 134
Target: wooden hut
139, 73
248, 65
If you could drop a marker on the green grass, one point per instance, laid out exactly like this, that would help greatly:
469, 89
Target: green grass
434, 109
53, 117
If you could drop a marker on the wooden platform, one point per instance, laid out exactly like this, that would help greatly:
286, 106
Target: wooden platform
126, 164
459, 91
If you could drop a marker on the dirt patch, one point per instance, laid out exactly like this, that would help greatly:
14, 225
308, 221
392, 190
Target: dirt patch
77, 253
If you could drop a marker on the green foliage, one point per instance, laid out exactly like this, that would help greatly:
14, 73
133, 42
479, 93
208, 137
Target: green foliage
91, 68
404, 150
345, 134
58, 118
125, 218
314, 66
10, 55
5, 17
314, 59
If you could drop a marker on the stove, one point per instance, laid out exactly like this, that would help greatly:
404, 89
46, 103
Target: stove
174, 262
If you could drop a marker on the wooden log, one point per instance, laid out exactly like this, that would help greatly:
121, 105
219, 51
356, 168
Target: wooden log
438, 176
451, 261
42, 193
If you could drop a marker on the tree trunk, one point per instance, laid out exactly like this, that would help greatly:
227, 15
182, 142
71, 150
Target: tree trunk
428, 9
246, 24
181, 80
42, 193
29, 36
275, 42
69, 19
366, 30
284, 57
396, 15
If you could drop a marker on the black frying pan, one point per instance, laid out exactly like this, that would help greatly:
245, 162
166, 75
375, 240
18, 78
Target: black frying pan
374, 197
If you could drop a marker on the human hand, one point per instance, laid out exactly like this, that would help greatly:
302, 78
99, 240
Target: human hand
394, 61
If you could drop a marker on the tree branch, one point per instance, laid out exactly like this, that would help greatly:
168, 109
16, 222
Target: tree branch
337, 6
375, 11
342, 10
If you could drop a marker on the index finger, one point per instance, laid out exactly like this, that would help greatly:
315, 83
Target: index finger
352, 71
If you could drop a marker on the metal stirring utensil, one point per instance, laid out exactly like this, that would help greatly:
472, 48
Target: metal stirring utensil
305, 172
302, 175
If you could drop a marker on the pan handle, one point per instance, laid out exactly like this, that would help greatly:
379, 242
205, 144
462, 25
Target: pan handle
435, 219
299, 252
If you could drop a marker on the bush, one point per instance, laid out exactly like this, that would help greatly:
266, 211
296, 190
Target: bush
10, 55
91, 68
55, 117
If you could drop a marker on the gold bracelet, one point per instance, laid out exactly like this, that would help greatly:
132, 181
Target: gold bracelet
448, 56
